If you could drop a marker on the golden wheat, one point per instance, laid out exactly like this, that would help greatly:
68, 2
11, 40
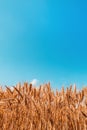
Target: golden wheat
28, 108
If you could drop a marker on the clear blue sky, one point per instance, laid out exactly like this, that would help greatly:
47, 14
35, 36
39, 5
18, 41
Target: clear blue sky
43, 39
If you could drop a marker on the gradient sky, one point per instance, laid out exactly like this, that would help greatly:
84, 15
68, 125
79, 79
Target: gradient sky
44, 40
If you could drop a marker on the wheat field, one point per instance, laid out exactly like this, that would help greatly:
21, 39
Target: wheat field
30, 108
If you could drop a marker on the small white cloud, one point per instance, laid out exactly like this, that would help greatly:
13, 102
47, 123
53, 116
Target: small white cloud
11, 88
34, 82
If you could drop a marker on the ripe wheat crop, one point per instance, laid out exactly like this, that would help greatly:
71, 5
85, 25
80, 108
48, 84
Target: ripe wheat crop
29, 108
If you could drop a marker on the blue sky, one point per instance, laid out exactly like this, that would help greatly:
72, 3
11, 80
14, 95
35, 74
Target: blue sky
44, 40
